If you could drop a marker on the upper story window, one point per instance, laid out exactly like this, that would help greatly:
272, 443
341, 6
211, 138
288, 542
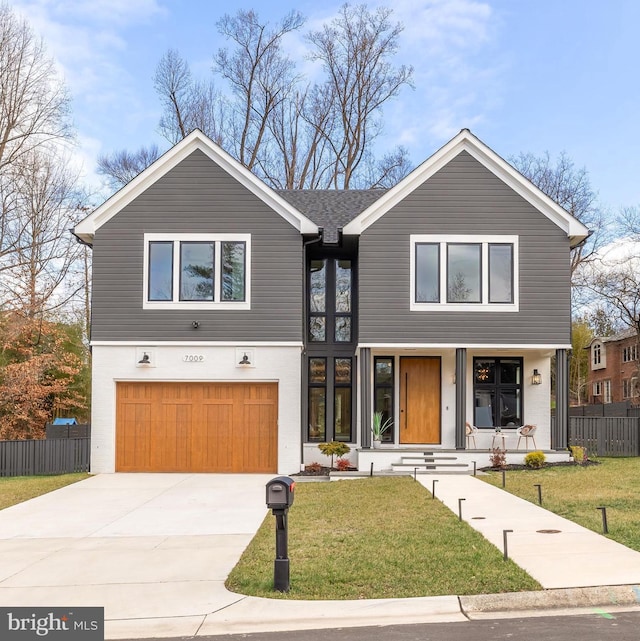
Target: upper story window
630, 354
197, 271
330, 301
471, 273
598, 356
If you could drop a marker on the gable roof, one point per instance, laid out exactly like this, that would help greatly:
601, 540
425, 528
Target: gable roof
466, 141
196, 140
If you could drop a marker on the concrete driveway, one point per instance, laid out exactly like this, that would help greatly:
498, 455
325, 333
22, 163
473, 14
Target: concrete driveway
144, 546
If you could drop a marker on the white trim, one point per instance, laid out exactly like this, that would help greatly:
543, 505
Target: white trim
443, 240
466, 141
148, 343
461, 346
217, 303
196, 140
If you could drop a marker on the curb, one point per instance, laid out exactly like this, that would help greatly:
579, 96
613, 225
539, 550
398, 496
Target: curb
565, 598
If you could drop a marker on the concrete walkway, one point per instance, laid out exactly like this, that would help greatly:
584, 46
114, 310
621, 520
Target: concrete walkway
570, 558
154, 551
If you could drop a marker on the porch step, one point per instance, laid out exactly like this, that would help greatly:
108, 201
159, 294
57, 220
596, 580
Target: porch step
430, 462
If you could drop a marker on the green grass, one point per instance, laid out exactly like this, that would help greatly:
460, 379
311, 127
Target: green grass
375, 538
576, 492
16, 489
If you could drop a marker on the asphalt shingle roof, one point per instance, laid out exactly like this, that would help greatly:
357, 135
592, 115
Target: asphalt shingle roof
331, 209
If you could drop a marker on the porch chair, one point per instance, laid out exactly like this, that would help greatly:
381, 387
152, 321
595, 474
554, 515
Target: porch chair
527, 432
471, 431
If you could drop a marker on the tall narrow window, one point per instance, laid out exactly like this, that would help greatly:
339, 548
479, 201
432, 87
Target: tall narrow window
342, 331
342, 399
500, 273
317, 399
427, 272
233, 271
196, 271
318, 301
160, 270
384, 393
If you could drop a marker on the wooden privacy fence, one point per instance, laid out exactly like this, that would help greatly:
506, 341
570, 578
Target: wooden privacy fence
606, 436
50, 456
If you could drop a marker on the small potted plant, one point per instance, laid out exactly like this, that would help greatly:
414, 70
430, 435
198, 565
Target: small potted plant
378, 427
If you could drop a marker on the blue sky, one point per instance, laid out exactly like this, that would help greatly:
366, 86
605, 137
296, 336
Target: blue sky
524, 76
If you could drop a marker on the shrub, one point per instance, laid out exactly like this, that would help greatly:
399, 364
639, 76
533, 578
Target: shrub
313, 467
343, 464
334, 448
498, 458
535, 460
579, 454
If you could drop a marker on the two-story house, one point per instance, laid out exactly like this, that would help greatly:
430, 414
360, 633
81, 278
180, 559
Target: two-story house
613, 372
235, 327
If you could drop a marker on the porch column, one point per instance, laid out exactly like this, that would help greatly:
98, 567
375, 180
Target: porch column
461, 398
365, 396
560, 428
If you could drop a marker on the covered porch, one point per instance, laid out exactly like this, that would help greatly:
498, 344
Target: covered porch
431, 393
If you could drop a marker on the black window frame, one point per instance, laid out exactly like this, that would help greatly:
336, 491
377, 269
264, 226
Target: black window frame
390, 435
480, 274
496, 386
329, 348
512, 275
337, 385
317, 385
149, 259
181, 244
222, 274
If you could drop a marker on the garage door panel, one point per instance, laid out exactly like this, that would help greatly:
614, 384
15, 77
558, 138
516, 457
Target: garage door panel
197, 427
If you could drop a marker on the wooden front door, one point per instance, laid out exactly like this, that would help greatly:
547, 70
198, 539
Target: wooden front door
420, 399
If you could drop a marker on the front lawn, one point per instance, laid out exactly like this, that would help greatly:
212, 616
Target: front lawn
576, 492
375, 538
16, 489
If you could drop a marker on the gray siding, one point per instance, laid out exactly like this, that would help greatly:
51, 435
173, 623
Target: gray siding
464, 198
197, 197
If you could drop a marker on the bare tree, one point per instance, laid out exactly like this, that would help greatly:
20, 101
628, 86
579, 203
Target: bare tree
355, 51
34, 104
46, 199
571, 189
120, 167
629, 222
260, 76
292, 133
188, 104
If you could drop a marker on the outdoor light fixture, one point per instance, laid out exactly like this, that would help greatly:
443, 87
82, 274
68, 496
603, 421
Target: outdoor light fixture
145, 360
536, 379
195, 324
245, 360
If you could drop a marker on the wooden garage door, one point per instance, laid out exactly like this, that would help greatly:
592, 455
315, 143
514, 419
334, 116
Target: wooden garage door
196, 427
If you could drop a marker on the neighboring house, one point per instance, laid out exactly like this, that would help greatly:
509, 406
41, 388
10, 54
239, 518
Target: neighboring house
235, 327
613, 372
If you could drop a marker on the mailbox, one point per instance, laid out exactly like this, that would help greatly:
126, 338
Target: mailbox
280, 493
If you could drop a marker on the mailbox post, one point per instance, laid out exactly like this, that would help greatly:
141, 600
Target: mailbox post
279, 499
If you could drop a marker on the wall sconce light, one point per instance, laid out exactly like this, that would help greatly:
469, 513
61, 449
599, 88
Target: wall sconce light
453, 379
145, 360
195, 324
245, 360
536, 379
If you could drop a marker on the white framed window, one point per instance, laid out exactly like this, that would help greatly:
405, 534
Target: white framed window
197, 271
630, 354
467, 273
597, 388
606, 392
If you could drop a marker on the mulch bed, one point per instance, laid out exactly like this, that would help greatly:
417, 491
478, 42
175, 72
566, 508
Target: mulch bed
509, 467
